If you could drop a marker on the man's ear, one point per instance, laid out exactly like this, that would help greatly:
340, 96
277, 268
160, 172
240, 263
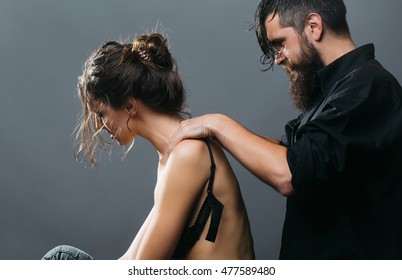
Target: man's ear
131, 106
314, 27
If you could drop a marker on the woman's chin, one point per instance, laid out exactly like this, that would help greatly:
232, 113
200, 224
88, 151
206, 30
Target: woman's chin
123, 143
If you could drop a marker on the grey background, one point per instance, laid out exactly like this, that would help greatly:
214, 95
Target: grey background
47, 199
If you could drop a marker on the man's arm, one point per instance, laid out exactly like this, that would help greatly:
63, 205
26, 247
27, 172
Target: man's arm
265, 158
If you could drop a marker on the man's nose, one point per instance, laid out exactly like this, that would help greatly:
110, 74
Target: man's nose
279, 58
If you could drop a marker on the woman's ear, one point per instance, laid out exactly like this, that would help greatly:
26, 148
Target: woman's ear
314, 27
131, 106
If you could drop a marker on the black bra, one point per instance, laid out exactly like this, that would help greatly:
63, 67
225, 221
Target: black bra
211, 205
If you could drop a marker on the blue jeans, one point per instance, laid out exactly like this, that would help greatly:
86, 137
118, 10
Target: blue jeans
65, 252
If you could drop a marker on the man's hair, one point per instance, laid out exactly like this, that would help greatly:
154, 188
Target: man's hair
293, 13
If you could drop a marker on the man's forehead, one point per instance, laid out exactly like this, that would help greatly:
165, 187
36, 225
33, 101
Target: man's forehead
272, 16
275, 30
272, 26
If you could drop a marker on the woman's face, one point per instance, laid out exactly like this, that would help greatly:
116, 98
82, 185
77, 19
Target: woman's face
114, 121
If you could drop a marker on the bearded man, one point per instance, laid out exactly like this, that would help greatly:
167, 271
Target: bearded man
339, 163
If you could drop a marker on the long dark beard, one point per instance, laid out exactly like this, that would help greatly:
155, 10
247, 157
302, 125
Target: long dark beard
301, 76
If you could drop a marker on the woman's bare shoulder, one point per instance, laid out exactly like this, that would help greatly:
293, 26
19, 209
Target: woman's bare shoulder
189, 160
190, 149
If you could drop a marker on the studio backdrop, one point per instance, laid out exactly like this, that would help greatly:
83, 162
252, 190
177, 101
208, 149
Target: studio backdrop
47, 199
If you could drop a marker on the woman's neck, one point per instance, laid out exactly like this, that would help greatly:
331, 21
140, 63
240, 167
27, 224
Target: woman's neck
158, 129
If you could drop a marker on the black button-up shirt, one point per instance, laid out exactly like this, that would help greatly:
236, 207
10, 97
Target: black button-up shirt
345, 156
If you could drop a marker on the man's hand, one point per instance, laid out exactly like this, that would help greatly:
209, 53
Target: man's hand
192, 128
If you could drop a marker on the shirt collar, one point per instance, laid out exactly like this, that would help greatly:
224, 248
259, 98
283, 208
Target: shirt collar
333, 72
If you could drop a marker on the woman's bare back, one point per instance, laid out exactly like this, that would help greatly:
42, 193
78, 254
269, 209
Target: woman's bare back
234, 239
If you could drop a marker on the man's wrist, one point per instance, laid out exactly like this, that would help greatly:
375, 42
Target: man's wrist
218, 125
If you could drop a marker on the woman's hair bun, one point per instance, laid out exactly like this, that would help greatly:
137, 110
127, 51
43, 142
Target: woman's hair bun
153, 50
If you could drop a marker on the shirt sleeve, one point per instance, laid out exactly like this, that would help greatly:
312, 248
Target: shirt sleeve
350, 125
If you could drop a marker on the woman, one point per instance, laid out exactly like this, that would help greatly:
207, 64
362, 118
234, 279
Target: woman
198, 213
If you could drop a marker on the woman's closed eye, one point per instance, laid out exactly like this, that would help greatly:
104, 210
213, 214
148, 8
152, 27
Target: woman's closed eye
100, 115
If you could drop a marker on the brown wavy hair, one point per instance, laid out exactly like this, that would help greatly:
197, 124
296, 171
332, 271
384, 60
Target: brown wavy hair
143, 69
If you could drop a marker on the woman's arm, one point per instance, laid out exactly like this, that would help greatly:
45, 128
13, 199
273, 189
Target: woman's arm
177, 192
266, 159
132, 251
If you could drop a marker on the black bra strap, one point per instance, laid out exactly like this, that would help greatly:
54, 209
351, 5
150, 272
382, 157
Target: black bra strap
213, 167
213, 204
216, 208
